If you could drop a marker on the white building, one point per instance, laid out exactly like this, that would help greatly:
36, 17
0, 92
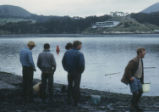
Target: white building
106, 24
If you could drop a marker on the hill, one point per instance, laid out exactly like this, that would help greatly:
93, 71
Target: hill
127, 25
28, 23
9, 11
153, 8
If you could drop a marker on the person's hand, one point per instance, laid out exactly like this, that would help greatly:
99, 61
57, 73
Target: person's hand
132, 79
34, 69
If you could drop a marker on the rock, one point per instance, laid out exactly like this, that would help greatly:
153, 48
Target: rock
19, 111
110, 107
95, 99
4, 85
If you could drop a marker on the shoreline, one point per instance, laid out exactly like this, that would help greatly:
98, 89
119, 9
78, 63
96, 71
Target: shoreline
12, 101
73, 35
16, 80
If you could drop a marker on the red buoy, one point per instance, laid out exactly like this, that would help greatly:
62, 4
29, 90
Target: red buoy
57, 49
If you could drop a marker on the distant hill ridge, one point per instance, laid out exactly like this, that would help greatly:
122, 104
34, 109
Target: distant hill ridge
153, 8
8, 11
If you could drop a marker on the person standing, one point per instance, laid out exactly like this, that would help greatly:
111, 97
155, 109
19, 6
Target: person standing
28, 67
69, 46
134, 76
47, 65
74, 63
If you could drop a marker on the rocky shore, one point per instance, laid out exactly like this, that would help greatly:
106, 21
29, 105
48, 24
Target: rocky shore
11, 99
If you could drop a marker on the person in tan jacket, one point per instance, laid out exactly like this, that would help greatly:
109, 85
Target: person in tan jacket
134, 76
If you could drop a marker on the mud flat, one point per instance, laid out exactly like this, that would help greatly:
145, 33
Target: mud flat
11, 99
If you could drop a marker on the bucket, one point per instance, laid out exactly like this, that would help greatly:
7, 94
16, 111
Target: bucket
36, 87
95, 99
146, 87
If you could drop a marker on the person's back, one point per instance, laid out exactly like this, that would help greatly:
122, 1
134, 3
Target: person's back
28, 67
74, 61
46, 61
26, 58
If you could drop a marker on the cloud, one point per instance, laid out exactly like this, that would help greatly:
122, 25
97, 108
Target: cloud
80, 7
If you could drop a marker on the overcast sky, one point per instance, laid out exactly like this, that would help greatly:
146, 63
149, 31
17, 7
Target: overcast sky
80, 7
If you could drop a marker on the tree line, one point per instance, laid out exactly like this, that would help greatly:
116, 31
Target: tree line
66, 24
52, 25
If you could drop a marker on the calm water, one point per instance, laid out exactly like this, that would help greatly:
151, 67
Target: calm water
104, 56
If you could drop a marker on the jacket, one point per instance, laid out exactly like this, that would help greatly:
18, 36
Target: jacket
46, 61
73, 61
26, 58
131, 69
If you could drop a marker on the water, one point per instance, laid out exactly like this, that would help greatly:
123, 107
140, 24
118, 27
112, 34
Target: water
104, 55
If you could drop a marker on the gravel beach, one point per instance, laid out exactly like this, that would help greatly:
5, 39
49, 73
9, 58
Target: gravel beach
11, 99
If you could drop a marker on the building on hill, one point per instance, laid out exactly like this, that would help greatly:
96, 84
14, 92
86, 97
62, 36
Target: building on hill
106, 24
118, 14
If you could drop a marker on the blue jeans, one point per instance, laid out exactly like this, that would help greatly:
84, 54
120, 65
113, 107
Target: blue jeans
136, 86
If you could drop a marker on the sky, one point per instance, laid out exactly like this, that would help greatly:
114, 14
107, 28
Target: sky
81, 8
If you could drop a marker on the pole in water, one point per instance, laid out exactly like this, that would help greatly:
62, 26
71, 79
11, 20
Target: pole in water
110, 74
150, 67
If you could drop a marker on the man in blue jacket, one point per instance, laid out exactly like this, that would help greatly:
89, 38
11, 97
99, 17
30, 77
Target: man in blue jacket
28, 66
74, 63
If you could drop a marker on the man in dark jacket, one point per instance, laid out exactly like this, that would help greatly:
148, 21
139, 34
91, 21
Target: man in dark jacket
46, 63
134, 76
74, 63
